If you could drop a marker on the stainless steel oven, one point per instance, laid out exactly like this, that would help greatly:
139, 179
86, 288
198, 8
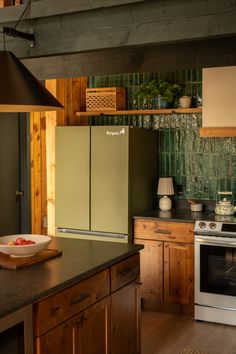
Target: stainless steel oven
215, 272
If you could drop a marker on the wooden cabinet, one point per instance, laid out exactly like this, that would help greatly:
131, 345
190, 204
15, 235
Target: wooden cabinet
167, 269
151, 271
125, 320
92, 333
178, 272
58, 308
72, 336
100, 315
218, 112
125, 307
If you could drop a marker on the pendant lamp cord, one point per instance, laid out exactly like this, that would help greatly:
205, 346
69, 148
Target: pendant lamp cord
26, 8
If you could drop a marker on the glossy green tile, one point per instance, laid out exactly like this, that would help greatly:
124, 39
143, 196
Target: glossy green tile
202, 166
167, 165
172, 140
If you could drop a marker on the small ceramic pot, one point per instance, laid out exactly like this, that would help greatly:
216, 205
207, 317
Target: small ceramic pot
196, 207
185, 102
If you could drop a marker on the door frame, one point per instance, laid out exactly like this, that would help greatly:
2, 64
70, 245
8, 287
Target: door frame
24, 171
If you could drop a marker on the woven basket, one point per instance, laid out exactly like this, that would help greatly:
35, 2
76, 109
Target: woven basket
105, 99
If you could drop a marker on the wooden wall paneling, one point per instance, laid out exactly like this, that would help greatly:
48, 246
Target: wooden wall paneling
60, 92
68, 102
43, 174
36, 173
79, 86
76, 87
51, 122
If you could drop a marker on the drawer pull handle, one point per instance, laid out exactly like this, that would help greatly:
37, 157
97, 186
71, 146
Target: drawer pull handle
160, 231
138, 283
81, 319
125, 271
54, 311
81, 298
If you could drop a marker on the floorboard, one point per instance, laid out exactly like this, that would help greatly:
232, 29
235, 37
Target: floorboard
164, 333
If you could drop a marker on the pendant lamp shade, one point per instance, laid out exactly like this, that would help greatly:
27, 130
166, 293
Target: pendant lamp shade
20, 91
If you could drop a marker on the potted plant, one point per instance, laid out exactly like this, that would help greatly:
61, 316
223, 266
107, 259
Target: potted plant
146, 93
168, 93
159, 94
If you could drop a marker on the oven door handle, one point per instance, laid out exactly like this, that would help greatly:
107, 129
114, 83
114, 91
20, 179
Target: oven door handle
209, 241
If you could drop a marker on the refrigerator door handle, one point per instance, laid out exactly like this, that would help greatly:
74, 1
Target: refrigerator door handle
91, 233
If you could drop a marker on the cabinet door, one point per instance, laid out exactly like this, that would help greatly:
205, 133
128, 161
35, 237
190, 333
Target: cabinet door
72, 177
178, 272
109, 179
125, 320
218, 89
92, 333
151, 267
59, 340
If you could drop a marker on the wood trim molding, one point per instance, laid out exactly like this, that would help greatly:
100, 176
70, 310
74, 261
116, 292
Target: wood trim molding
139, 111
38, 173
218, 132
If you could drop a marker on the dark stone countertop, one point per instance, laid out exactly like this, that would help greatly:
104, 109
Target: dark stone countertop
80, 259
183, 215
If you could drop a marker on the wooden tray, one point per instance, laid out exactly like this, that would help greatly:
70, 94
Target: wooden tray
20, 262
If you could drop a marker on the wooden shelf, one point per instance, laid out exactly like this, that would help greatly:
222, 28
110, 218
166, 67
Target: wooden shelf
217, 132
140, 111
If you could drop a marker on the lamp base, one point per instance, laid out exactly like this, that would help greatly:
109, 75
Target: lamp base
165, 203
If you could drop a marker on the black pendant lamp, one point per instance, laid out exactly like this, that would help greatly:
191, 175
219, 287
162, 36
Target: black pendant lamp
20, 91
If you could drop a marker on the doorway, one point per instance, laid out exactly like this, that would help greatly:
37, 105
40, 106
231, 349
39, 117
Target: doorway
14, 174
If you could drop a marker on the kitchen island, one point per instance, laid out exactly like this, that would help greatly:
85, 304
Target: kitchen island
92, 289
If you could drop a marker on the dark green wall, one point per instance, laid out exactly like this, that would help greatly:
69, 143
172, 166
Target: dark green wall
199, 166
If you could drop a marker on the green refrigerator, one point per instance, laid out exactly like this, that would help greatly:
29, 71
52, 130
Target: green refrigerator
104, 175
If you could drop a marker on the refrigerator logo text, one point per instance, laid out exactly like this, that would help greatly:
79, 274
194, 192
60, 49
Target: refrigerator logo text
120, 132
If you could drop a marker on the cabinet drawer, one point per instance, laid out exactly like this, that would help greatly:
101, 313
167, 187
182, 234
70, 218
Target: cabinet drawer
124, 272
163, 231
58, 308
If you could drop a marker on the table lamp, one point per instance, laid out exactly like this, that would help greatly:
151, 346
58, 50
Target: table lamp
165, 188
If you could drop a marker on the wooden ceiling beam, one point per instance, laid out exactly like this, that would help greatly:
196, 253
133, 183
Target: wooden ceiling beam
130, 24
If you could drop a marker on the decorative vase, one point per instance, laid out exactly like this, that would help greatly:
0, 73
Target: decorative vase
165, 203
185, 102
160, 102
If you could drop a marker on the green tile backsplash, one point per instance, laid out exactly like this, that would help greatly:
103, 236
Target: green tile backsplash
200, 167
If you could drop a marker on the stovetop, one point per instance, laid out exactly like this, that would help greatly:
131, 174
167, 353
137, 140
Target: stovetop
211, 216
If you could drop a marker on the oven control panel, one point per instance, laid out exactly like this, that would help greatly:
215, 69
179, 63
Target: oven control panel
215, 228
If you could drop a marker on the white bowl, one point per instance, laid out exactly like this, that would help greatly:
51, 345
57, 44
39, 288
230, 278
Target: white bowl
41, 242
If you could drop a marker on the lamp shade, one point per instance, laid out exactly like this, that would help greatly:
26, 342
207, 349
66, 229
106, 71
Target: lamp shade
20, 91
165, 186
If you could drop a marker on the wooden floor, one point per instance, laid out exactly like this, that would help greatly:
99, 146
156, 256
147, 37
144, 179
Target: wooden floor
164, 333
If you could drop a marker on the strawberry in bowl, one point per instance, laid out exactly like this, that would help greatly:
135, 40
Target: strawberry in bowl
23, 245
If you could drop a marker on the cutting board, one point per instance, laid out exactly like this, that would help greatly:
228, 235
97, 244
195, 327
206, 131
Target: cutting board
21, 262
